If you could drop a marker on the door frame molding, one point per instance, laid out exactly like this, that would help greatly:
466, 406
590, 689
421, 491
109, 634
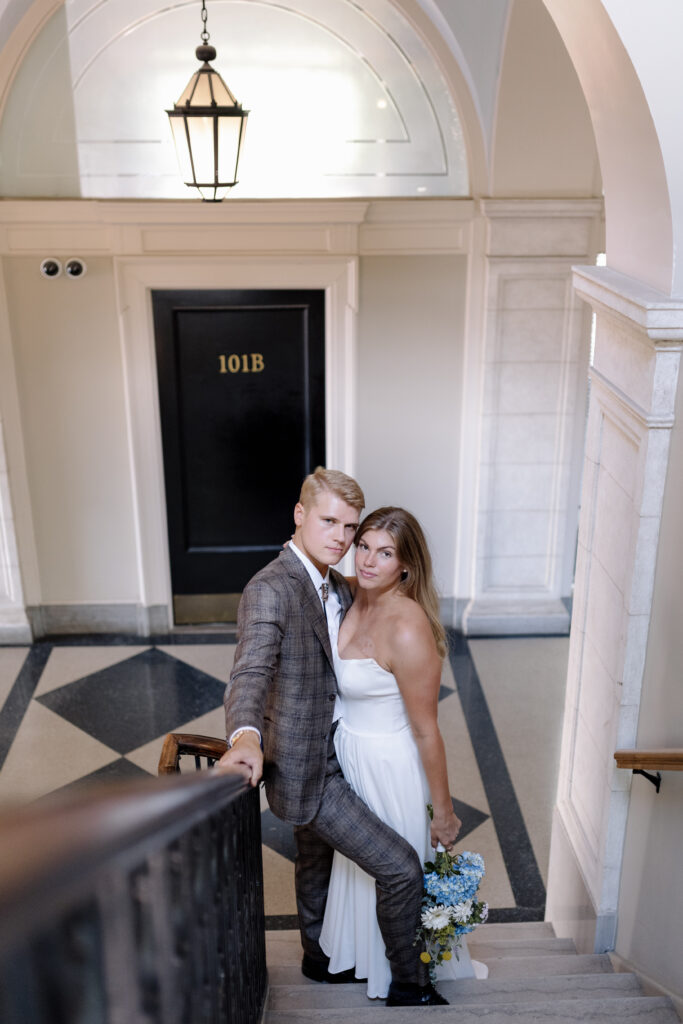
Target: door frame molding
136, 277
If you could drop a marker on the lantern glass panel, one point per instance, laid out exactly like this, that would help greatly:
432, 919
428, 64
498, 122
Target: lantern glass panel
221, 93
182, 152
201, 141
187, 93
202, 95
213, 195
228, 145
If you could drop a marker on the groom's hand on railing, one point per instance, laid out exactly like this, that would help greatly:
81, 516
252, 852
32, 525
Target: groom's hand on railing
445, 829
244, 756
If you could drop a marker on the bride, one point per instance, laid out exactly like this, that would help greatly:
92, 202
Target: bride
388, 665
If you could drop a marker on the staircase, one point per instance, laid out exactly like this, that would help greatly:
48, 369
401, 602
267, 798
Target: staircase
533, 976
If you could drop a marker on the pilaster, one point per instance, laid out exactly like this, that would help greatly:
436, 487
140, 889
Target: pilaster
634, 379
14, 627
535, 358
16, 572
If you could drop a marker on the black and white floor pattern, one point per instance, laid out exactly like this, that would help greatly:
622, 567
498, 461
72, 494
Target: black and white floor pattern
77, 710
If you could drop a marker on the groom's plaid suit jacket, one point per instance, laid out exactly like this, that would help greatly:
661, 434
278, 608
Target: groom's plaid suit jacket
283, 682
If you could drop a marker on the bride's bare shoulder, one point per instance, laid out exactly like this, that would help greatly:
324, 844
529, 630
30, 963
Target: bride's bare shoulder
411, 625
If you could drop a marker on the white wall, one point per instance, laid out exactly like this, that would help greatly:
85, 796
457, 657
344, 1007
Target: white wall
87, 428
70, 383
409, 271
411, 325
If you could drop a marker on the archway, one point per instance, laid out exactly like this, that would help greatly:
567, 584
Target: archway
615, 691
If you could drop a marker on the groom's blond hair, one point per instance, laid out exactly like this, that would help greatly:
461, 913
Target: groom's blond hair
333, 480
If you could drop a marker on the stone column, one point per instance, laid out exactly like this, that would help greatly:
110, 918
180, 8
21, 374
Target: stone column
535, 362
639, 335
14, 627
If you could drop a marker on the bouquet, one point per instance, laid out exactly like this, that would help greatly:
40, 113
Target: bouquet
449, 905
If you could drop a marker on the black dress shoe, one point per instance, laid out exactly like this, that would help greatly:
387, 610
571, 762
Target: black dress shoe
317, 970
405, 993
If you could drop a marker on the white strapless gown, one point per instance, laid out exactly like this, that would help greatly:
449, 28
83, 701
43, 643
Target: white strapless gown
380, 761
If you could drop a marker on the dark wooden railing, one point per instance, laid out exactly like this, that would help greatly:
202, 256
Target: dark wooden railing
135, 904
187, 744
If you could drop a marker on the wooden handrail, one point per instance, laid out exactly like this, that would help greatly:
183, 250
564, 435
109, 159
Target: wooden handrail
178, 743
667, 759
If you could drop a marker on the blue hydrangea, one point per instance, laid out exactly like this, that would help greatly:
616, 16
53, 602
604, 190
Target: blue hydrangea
452, 889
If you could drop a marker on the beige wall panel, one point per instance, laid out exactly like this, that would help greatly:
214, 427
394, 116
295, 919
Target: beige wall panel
70, 381
410, 358
543, 142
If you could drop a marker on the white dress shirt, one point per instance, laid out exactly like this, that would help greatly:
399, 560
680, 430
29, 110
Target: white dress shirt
332, 608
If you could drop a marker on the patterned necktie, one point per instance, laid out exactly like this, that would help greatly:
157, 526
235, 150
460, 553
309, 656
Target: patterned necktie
325, 588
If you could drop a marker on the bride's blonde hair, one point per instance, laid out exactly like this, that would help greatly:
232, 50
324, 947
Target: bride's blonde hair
413, 553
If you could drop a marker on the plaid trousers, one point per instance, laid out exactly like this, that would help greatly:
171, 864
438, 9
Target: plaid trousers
343, 822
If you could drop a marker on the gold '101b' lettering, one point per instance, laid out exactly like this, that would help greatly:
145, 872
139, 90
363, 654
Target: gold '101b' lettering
248, 362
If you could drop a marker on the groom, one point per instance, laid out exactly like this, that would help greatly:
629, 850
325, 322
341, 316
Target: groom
280, 707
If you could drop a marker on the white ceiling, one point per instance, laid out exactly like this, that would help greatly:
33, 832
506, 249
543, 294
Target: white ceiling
345, 99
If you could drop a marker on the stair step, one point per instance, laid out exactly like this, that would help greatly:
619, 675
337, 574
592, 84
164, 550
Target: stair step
515, 930
522, 967
284, 947
542, 966
484, 950
492, 930
634, 1009
465, 991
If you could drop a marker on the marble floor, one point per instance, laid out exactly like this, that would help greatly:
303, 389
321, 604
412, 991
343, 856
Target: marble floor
76, 711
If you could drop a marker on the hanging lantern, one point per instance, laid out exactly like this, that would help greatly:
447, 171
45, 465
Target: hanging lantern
208, 126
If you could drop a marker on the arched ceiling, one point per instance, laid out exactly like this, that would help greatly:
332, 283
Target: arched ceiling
346, 99
619, 52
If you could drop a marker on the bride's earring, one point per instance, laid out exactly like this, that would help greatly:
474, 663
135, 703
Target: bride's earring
404, 576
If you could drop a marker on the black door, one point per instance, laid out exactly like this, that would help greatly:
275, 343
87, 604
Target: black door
242, 398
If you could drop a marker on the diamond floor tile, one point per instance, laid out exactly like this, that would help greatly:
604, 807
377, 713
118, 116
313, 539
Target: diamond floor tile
470, 817
120, 770
277, 835
136, 700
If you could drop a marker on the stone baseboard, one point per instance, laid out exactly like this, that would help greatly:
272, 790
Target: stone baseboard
515, 617
649, 986
70, 619
451, 611
14, 625
569, 904
15, 634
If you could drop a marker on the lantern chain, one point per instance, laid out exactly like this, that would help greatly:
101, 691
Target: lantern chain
205, 34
